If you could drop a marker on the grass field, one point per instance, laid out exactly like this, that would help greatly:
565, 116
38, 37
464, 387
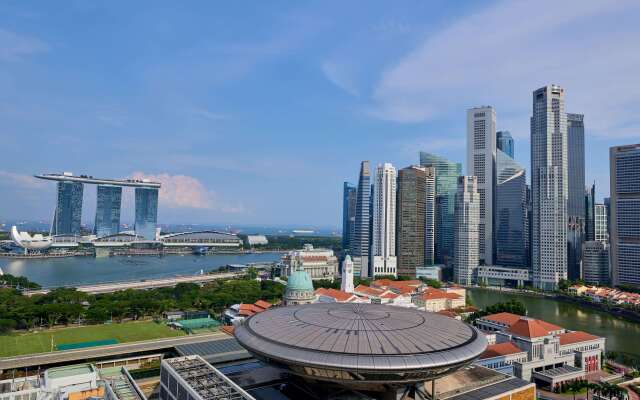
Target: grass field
40, 342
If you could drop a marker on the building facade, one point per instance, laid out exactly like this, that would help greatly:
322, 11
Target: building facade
595, 263
600, 224
68, 214
589, 212
411, 209
318, 263
504, 142
511, 212
447, 173
575, 202
430, 217
146, 220
346, 283
360, 241
109, 200
467, 217
383, 248
549, 187
624, 167
481, 163
349, 193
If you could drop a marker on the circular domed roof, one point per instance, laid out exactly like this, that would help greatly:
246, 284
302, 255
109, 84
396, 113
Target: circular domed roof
363, 341
300, 280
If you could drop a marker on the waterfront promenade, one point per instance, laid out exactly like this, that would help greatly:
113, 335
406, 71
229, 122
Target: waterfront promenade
144, 284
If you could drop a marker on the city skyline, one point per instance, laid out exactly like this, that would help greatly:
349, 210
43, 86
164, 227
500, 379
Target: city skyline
198, 109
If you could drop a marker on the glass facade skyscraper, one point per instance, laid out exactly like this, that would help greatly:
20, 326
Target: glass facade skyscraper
362, 224
467, 231
146, 212
575, 203
447, 174
348, 214
511, 212
68, 214
624, 167
589, 213
109, 199
411, 208
504, 142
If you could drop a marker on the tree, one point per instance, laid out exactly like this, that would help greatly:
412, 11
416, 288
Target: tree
7, 325
563, 285
252, 273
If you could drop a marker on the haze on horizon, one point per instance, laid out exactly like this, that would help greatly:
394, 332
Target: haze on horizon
257, 115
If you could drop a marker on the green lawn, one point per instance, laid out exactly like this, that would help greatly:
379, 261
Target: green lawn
40, 342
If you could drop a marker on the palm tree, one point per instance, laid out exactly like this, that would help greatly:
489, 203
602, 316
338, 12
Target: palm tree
574, 387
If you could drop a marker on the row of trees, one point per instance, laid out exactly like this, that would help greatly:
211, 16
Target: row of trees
65, 306
512, 306
602, 390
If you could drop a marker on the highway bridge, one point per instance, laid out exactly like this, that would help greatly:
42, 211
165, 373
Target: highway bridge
79, 355
145, 284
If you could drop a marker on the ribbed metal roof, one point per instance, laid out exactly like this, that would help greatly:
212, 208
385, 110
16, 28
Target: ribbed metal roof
360, 336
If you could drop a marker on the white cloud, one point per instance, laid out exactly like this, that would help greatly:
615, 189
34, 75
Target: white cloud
14, 47
338, 75
500, 55
19, 180
182, 191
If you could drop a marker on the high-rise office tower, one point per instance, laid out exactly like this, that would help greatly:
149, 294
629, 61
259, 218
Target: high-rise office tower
549, 187
348, 214
383, 248
624, 167
360, 241
467, 223
600, 223
511, 212
411, 210
595, 263
575, 203
346, 284
589, 213
146, 212
430, 217
109, 200
607, 207
504, 142
481, 163
68, 214
447, 173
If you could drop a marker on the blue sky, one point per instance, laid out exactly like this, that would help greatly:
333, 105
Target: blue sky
255, 112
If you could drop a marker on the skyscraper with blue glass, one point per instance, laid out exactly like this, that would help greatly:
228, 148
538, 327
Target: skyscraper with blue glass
68, 214
446, 177
146, 212
349, 192
511, 212
504, 142
109, 199
362, 224
575, 202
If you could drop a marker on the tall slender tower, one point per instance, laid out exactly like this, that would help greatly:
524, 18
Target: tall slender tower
467, 243
348, 214
346, 284
481, 162
68, 214
430, 217
360, 244
146, 212
549, 187
504, 142
108, 202
411, 219
447, 173
624, 167
383, 248
575, 202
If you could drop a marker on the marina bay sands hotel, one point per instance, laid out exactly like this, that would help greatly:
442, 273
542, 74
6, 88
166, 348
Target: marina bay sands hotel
68, 213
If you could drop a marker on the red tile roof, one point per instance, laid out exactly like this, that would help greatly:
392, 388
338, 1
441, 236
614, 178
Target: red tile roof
503, 318
433, 294
500, 349
532, 328
390, 295
339, 295
263, 304
576, 337
369, 291
228, 329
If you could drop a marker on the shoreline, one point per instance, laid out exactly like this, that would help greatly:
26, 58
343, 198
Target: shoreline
620, 313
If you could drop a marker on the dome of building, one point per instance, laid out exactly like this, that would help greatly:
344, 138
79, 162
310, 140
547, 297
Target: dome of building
299, 288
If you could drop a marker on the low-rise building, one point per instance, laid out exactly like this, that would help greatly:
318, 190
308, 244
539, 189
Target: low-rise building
501, 357
553, 354
318, 263
497, 275
435, 300
324, 295
257, 240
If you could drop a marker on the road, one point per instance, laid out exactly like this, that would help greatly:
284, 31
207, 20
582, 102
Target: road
78, 355
145, 284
